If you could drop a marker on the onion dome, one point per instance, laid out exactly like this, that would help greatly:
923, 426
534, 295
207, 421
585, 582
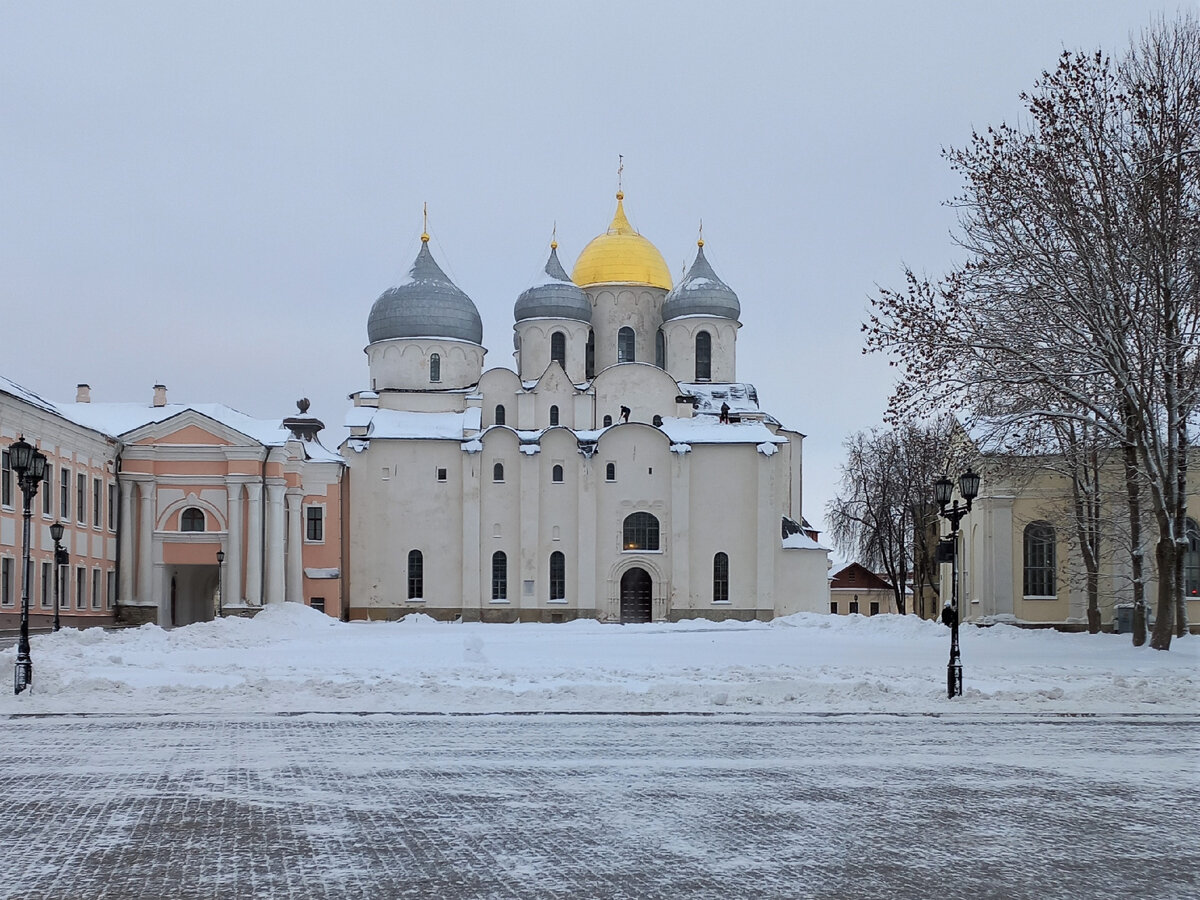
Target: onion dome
553, 296
701, 293
621, 255
426, 304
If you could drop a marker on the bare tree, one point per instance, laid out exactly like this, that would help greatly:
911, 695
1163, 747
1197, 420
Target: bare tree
885, 508
1080, 294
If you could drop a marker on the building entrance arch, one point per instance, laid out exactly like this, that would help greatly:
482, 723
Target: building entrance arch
636, 590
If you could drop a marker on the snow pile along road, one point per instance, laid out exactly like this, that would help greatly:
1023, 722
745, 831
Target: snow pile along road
292, 658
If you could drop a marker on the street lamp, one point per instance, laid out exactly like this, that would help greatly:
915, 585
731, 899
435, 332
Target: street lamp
61, 558
943, 489
220, 576
30, 466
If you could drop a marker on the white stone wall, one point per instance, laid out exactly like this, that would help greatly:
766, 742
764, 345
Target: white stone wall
404, 363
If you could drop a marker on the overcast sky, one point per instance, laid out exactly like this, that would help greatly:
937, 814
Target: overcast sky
212, 195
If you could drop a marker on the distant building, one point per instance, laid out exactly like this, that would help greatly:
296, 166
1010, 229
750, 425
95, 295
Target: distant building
856, 589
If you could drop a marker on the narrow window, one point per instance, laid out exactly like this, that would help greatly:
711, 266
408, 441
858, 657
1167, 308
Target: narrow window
47, 584
660, 349
64, 587
435, 367
441, 474
833, 607
81, 498
703, 356
589, 358
640, 532
6, 581
610, 472
558, 348
558, 576
112, 507
499, 576
499, 413
314, 523
1040, 564
416, 575
556, 474
111, 594
874, 608
48, 492
191, 519
607, 421
97, 504
1191, 560
6, 479
95, 588
498, 472
553, 415
721, 578
64, 493
626, 351
81, 588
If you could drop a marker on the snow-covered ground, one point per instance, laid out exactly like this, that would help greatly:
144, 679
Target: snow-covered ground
291, 658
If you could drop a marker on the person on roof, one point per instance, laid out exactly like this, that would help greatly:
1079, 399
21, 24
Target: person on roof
724, 413
624, 413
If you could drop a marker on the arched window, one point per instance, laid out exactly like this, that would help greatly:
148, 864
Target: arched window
499, 413
625, 345
660, 349
498, 472
640, 532
556, 474
703, 356
416, 575
589, 357
1191, 560
499, 576
607, 421
1040, 560
721, 578
610, 472
558, 576
191, 519
435, 367
553, 415
558, 348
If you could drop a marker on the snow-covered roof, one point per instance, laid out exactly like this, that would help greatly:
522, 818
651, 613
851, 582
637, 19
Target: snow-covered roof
117, 419
801, 541
741, 397
26, 395
707, 430
399, 424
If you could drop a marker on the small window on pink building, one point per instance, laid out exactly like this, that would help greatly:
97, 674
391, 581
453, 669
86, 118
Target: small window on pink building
191, 519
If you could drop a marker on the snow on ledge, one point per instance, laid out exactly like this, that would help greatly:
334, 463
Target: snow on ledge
322, 573
768, 449
801, 542
681, 448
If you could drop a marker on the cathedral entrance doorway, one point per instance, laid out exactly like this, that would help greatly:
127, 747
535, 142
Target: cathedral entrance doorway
193, 594
636, 588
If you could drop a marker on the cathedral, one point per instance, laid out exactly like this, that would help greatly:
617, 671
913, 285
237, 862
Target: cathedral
621, 473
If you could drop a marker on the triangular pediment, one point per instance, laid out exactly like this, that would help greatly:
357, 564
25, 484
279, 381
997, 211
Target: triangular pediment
189, 428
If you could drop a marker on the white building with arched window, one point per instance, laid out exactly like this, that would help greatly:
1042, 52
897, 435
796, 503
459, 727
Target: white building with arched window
600, 479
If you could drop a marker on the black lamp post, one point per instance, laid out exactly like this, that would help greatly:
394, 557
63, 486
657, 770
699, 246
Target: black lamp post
943, 489
30, 466
61, 558
220, 583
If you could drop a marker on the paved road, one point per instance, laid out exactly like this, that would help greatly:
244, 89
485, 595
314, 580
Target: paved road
599, 806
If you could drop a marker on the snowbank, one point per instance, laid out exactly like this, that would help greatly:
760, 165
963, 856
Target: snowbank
291, 658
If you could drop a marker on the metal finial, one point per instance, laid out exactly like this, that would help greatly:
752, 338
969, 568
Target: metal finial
700, 240
620, 172
554, 236
425, 223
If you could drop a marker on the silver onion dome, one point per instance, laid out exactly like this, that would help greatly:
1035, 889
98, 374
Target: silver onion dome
701, 293
426, 304
553, 296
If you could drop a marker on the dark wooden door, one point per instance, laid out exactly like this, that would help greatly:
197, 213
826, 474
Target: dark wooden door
635, 596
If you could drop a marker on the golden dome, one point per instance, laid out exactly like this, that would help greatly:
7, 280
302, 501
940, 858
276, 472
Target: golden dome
621, 255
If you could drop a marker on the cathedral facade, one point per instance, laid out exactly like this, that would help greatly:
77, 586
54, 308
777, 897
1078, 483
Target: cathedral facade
621, 473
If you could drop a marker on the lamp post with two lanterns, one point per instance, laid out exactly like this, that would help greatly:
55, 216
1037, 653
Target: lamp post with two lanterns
30, 465
943, 490
61, 558
220, 584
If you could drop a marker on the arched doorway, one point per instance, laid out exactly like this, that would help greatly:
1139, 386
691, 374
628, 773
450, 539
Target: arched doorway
636, 587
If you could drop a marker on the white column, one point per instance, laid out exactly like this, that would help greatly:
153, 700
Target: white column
125, 585
295, 548
231, 590
254, 544
681, 517
275, 545
145, 543
769, 535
